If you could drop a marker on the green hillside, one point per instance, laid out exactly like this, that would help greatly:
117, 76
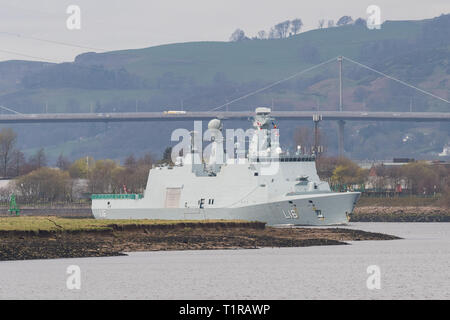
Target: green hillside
203, 75
251, 60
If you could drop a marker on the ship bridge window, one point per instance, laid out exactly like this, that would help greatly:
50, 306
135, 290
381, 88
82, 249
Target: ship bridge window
211, 201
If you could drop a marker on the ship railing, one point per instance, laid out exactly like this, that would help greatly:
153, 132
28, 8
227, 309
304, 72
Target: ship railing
132, 196
285, 158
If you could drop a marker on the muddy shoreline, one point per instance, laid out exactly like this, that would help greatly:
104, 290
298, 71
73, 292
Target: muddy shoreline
118, 239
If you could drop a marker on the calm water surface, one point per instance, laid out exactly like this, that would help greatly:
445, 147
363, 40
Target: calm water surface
417, 267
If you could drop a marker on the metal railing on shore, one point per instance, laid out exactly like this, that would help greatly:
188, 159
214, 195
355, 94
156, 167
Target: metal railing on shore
85, 203
133, 196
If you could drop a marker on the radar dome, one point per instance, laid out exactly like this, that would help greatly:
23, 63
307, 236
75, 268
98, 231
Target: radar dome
215, 124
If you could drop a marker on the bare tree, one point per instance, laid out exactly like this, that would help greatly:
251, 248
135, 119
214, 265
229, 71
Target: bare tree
330, 23
237, 35
286, 25
321, 23
7, 141
39, 159
272, 33
262, 35
17, 164
63, 162
282, 29
296, 25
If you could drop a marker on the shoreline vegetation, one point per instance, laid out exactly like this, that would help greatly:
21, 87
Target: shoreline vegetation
400, 209
400, 214
24, 238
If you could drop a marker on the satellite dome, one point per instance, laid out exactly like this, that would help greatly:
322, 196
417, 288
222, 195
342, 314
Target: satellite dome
215, 124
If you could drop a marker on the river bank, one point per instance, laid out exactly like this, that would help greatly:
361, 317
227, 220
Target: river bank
400, 214
23, 238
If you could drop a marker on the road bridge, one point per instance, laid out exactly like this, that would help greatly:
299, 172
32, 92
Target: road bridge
230, 115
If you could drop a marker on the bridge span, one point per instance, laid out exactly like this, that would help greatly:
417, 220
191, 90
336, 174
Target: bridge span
207, 115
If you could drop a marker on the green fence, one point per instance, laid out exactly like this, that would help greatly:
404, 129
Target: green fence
117, 196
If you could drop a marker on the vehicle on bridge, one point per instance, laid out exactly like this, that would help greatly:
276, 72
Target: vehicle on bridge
175, 112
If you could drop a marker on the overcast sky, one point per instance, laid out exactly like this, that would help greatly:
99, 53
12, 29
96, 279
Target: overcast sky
123, 24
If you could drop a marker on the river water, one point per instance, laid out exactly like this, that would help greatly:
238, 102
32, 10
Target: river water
416, 267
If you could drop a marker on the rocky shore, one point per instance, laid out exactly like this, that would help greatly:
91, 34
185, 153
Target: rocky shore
400, 214
117, 239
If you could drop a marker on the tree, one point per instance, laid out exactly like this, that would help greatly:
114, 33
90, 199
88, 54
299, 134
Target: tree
321, 23
39, 159
44, 184
80, 168
17, 164
63, 163
344, 20
348, 172
325, 166
272, 33
130, 162
121, 180
132, 177
101, 177
167, 156
146, 160
7, 141
262, 35
445, 198
296, 25
420, 177
237, 35
330, 23
282, 29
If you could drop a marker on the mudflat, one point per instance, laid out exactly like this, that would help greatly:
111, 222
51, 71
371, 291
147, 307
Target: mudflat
23, 238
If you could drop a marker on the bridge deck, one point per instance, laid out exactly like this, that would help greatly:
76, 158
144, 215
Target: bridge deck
199, 115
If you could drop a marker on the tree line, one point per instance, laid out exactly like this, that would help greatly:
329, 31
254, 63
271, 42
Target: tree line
35, 181
13, 162
289, 28
68, 181
414, 178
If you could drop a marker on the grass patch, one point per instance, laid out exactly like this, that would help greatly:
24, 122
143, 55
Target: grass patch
65, 224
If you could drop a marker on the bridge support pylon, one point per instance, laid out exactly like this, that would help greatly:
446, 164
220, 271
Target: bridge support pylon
341, 151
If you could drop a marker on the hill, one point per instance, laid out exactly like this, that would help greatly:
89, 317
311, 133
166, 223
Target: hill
203, 75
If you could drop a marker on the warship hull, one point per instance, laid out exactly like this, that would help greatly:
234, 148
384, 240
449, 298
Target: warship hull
315, 210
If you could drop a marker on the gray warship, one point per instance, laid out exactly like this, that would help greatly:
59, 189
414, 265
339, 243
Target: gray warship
265, 184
